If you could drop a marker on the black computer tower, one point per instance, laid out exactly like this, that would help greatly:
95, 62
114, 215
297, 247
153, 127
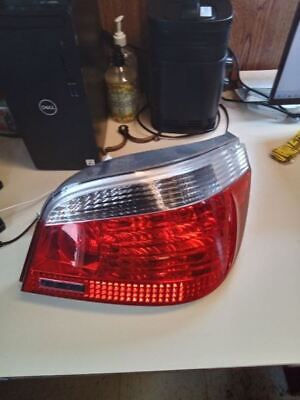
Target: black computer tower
188, 50
52, 75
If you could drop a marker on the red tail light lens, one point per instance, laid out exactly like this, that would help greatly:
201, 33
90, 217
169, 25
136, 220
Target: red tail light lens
158, 236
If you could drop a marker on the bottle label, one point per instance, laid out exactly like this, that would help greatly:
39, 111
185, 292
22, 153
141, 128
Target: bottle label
122, 99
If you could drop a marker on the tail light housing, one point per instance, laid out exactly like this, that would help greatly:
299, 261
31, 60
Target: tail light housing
155, 228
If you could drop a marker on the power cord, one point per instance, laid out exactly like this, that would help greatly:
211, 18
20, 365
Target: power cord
2, 244
2, 225
123, 130
26, 203
18, 205
161, 135
278, 108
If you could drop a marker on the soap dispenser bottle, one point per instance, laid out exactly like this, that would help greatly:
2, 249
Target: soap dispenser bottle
120, 39
121, 81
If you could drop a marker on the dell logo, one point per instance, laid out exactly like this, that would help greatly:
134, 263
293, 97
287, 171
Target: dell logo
48, 107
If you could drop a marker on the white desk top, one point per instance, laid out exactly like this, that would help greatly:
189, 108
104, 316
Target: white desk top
252, 319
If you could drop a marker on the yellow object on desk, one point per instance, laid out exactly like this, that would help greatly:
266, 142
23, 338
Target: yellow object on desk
288, 151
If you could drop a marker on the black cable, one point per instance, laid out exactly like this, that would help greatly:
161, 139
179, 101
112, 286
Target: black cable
264, 104
225, 111
2, 225
2, 244
278, 108
183, 135
240, 81
123, 130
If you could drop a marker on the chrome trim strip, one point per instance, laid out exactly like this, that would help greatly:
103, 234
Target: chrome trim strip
159, 189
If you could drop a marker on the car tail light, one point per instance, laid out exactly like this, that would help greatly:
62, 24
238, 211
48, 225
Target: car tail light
155, 228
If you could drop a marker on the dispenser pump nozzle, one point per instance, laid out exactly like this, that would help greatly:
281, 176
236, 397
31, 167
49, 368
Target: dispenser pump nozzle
119, 36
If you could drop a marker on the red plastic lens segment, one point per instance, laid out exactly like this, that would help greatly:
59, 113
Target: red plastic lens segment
158, 258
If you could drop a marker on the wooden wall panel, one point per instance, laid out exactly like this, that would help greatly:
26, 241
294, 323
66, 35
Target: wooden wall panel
259, 32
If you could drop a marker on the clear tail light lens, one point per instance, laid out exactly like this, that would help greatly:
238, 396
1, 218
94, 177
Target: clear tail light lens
156, 228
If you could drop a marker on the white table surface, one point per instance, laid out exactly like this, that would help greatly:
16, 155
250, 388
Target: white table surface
252, 319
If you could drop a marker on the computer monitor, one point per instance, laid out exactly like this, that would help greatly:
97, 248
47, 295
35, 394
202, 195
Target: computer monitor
286, 88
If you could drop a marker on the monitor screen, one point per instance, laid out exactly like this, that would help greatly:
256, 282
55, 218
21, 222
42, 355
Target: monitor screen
286, 89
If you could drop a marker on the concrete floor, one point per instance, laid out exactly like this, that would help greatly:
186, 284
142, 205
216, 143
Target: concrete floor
235, 384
